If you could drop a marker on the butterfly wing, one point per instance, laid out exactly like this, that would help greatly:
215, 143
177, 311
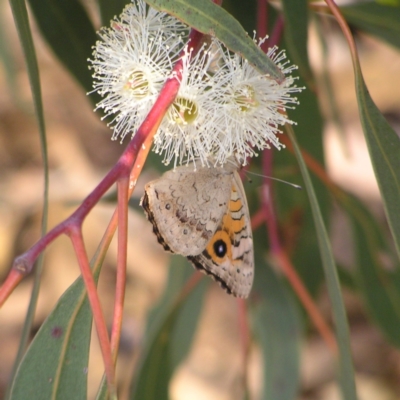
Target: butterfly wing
187, 206
229, 256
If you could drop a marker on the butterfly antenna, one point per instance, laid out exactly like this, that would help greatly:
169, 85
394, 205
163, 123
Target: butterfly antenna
298, 187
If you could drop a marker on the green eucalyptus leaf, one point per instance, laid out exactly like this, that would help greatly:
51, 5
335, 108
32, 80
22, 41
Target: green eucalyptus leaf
379, 285
345, 364
378, 19
55, 365
384, 149
68, 30
296, 35
210, 19
110, 9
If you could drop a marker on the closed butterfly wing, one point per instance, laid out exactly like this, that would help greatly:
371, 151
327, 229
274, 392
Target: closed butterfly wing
186, 207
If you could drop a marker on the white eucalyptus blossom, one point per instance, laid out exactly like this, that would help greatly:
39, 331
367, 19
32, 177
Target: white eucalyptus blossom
224, 107
131, 63
251, 106
186, 133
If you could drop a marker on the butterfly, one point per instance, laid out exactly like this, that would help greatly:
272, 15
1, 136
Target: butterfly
203, 215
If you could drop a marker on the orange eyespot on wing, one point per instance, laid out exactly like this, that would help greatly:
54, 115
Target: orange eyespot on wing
219, 247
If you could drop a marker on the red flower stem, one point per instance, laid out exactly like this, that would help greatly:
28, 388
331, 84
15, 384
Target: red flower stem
121, 265
98, 316
123, 188
110, 230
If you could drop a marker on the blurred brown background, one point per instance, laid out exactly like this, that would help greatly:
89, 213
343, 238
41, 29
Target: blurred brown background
81, 152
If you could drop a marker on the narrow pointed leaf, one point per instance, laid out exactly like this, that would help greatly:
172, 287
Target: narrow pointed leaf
55, 365
346, 369
210, 19
384, 149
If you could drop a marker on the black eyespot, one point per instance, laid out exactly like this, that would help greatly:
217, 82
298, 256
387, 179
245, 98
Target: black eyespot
220, 248
168, 206
185, 231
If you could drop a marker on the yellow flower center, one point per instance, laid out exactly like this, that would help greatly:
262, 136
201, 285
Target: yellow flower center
183, 111
138, 84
